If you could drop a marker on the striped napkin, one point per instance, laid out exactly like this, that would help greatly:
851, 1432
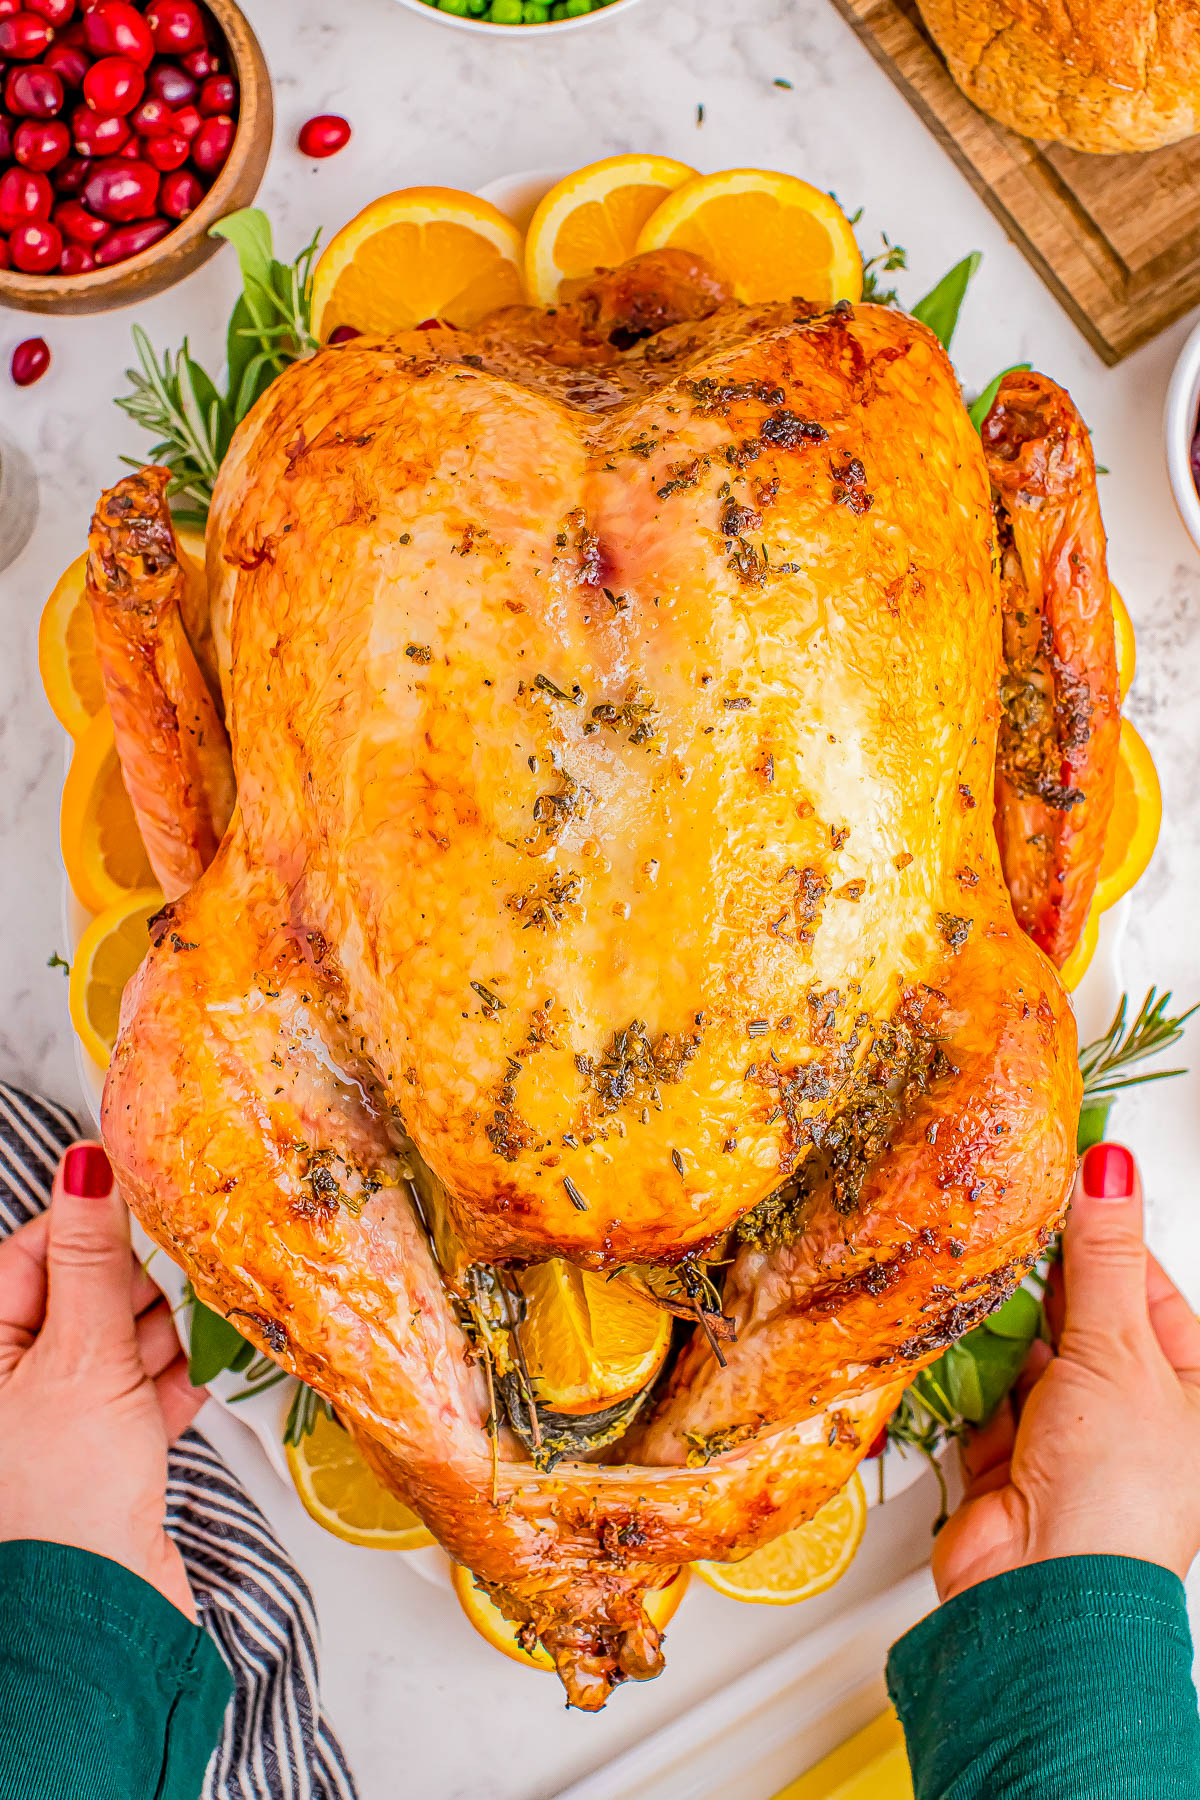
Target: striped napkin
276, 1743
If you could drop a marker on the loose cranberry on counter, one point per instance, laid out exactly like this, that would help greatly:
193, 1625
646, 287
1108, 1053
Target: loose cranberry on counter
121, 191
25, 198
98, 134
176, 26
324, 135
70, 176
34, 92
24, 36
167, 81
341, 334
127, 240
115, 28
180, 194
36, 248
41, 143
187, 121
78, 225
115, 84
30, 361
218, 95
68, 61
201, 63
151, 117
55, 12
212, 143
75, 260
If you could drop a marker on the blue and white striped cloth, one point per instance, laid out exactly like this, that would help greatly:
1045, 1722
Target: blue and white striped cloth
276, 1744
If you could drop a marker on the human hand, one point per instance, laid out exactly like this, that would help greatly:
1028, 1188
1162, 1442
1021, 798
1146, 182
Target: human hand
93, 1385
1098, 1451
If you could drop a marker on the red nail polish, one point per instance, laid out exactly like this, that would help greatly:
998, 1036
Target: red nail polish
1108, 1172
87, 1172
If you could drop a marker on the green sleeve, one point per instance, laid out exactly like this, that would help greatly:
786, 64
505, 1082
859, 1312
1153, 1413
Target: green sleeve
106, 1691
1067, 1680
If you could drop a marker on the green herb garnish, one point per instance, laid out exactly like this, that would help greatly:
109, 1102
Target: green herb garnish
980, 408
942, 304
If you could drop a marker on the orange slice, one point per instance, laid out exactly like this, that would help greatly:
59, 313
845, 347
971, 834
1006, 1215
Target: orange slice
67, 652
591, 220
772, 237
109, 952
589, 1340
501, 1633
801, 1563
1134, 825
1126, 648
1079, 961
422, 253
338, 1490
101, 845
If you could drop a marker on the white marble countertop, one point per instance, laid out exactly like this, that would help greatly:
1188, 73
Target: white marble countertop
423, 1705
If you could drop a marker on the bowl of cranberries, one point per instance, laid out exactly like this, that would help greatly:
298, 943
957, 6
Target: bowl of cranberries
127, 129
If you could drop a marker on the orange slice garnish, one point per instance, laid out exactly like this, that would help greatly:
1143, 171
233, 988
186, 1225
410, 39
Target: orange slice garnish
591, 220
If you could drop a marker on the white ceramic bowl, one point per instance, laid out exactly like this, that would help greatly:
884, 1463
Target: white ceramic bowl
518, 31
1179, 428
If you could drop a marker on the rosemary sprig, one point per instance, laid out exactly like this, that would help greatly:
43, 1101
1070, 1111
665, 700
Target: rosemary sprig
306, 1408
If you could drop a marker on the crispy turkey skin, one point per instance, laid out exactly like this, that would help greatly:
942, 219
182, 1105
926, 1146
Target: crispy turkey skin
613, 699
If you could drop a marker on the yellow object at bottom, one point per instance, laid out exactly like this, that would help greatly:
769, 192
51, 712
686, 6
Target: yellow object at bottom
872, 1765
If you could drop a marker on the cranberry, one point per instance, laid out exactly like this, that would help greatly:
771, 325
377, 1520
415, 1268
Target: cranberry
98, 134
201, 63
78, 225
175, 26
165, 151
30, 361
36, 248
75, 260
5, 259
115, 28
55, 12
24, 36
218, 95
878, 1442
212, 143
121, 191
70, 176
128, 240
9, 7
35, 93
6, 138
25, 198
169, 82
180, 194
324, 135
151, 116
41, 143
115, 84
132, 150
187, 121
68, 61
341, 334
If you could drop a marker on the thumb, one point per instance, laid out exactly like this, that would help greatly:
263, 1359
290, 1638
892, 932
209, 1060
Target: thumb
1104, 1254
87, 1258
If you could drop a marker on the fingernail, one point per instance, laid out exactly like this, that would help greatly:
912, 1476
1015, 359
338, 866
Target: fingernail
87, 1172
1108, 1172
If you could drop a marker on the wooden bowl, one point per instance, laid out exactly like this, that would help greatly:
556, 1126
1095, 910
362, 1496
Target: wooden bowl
185, 248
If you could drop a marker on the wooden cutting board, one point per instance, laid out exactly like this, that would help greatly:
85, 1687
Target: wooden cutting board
1115, 238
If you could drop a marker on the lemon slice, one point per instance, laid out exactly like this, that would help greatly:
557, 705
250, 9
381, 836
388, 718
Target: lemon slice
101, 846
1126, 648
591, 220
589, 1340
1079, 961
772, 237
502, 1633
422, 253
111, 950
67, 658
338, 1490
1134, 825
801, 1563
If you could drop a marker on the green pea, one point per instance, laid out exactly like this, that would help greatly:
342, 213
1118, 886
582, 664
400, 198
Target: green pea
477, 7
505, 12
535, 13
575, 9
452, 6
559, 9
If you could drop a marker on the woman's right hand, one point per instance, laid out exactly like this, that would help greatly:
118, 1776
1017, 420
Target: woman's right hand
1100, 1455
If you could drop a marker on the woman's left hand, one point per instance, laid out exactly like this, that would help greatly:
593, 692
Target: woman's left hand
93, 1384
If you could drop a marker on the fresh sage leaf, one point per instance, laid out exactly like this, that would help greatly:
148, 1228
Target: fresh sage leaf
214, 1345
1019, 1317
942, 304
980, 408
249, 231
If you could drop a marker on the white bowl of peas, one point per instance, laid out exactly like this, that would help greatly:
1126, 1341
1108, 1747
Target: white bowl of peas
538, 18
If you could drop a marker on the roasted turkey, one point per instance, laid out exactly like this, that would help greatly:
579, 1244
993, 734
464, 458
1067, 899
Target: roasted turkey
624, 802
